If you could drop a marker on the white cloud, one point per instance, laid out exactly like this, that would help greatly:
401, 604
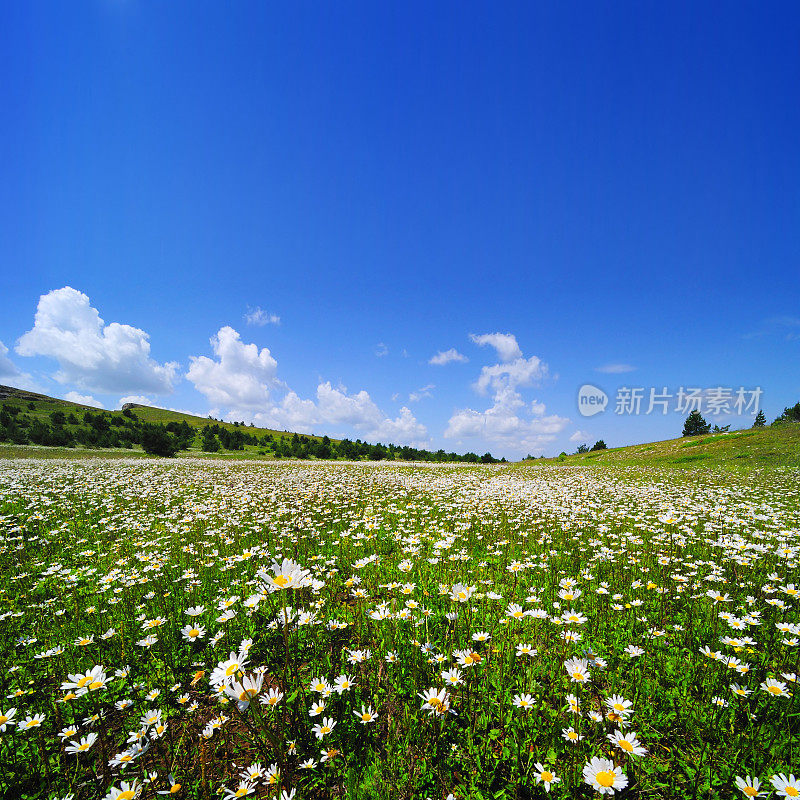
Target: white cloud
510, 421
537, 408
381, 350
241, 378
11, 374
335, 408
579, 436
420, 394
504, 343
447, 357
615, 369
501, 423
95, 356
257, 316
83, 399
139, 399
520, 372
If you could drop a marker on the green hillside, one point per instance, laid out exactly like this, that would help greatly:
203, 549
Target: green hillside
773, 445
165, 416
29, 420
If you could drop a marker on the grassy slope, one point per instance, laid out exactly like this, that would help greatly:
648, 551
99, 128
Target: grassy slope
778, 446
151, 414
44, 406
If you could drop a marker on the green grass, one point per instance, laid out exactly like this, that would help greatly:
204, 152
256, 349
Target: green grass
770, 446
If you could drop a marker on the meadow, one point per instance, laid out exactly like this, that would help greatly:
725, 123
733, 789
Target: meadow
204, 629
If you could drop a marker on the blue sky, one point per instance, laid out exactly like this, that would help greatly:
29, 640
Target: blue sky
561, 195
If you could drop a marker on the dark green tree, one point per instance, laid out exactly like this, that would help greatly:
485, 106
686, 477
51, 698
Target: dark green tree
695, 425
760, 421
599, 445
210, 443
791, 414
582, 448
158, 441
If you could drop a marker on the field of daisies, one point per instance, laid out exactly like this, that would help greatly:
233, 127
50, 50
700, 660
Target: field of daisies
321, 630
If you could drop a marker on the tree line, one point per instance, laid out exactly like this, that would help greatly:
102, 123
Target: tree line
124, 429
695, 424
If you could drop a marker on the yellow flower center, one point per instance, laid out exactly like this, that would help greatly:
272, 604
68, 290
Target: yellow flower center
231, 670
774, 689
791, 791
750, 791
83, 681
194, 632
546, 776
84, 745
3, 719
282, 581
605, 778
366, 717
126, 795
626, 745
176, 787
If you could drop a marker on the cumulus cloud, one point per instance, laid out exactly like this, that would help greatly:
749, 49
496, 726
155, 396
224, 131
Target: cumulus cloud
381, 350
510, 421
520, 372
537, 408
504, 343
83, 399
503, 424
615, 369
90, 354
243, 380
257, 316
579, 436
420, 394
241, 377
447, 357
11, 374
335, 407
